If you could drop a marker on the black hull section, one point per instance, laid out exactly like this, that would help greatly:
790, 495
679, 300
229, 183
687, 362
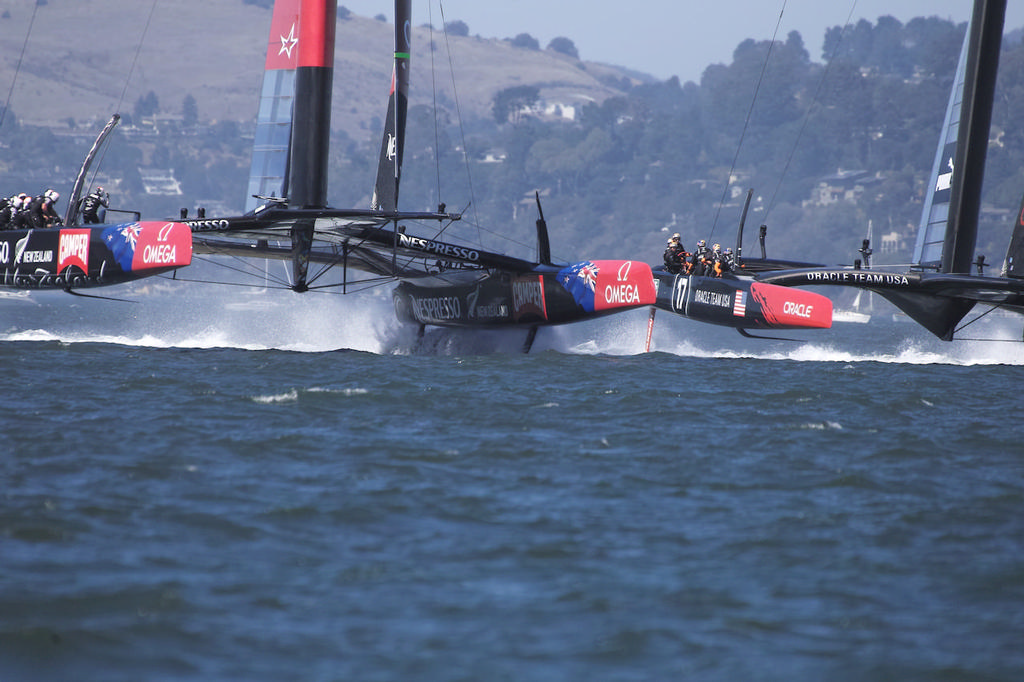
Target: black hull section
544, 296
741, 303
936, 301
501, 300
83, 257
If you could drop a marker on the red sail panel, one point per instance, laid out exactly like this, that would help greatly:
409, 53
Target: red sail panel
301, 34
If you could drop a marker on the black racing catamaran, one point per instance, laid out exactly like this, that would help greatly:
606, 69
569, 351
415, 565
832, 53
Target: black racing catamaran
938, 291
439, 283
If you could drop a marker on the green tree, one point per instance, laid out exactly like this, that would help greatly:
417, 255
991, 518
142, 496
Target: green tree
509, 103
525, 41
457, 28
563, 45
147, 105
189, 111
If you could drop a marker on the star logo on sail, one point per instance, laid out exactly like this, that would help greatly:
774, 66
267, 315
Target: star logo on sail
288, 42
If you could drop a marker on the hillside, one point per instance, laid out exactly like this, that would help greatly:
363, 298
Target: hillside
80, 52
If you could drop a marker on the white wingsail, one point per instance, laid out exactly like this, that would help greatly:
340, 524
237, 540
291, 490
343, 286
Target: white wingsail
931, 233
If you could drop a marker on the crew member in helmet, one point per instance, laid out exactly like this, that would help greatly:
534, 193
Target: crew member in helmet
94, 206
675, 255
718, 263
730, 260
42, 212
21, 219
6, 212
700, 264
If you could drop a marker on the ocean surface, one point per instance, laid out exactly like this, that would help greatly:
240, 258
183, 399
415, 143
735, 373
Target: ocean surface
254, 488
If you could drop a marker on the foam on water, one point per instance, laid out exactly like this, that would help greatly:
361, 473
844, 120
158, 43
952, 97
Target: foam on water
184, 316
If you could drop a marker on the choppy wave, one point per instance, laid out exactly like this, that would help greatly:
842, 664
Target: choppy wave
197, 514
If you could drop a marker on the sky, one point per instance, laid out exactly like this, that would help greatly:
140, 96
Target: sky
667, 38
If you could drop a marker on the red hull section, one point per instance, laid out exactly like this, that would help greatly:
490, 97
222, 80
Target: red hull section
792, 308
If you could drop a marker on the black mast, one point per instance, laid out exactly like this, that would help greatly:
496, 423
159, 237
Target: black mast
392, 148
311, 118
972, 138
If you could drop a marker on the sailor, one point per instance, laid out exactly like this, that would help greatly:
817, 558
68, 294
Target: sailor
719, 265
41, 210
730, 260
675, 255
94, 206
21, 219
699, 263
6, 212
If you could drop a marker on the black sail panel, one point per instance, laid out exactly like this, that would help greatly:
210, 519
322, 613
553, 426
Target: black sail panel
986, 31
392, 148
1015, 252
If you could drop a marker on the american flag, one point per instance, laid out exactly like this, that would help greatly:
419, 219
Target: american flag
739, 308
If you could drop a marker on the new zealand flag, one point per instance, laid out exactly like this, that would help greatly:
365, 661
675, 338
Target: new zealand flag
121, 240
580, 280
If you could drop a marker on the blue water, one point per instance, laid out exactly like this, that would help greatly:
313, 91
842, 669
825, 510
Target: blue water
252, 492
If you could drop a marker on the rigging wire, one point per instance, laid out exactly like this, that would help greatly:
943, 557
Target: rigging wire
810, 109
978, 317
138, 50
124, 90
433, 89
746, 122
17, 68
458, 113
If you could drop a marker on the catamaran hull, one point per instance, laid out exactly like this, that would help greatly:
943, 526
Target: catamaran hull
80, 257
742, 303
504, 299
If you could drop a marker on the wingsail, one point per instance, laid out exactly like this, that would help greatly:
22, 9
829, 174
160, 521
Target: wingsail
931, 233
290, 151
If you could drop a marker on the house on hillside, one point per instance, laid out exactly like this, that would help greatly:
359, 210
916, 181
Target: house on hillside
160, 181
844, 185
557, 110
493, 156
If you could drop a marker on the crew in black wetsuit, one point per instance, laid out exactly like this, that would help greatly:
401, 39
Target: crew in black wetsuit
92, 204
700, 263
675, 255
42, 212
20, 217
730, 260
6, 212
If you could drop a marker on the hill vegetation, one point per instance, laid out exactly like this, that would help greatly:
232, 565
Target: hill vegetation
618, 158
